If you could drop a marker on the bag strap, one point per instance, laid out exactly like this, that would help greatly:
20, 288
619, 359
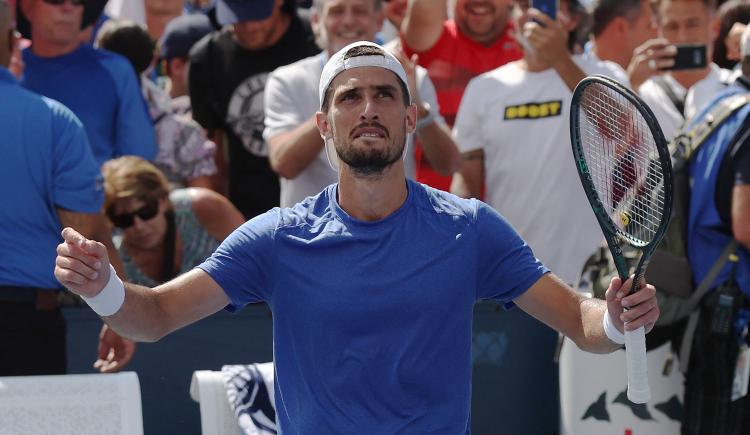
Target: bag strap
695, 299
679, 103
689, 142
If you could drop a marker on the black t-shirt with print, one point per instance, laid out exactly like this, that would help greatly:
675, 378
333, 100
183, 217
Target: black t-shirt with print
226, 85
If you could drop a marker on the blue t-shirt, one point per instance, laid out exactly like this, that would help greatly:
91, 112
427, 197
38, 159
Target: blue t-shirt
101, 88
372, 320
46, 163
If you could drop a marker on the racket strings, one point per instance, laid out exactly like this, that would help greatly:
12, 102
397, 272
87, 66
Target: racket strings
623, 161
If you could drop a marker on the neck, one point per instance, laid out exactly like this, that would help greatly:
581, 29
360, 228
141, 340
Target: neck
43, 48
690, 77
533, 64
486, 40
177, 89
155, 24
372, 198
612, 52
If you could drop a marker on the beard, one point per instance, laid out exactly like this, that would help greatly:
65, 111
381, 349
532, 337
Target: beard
368, 161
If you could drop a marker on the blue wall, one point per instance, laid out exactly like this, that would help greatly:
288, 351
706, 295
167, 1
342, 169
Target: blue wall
515, 387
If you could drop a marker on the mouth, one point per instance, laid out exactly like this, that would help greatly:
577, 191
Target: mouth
480, 8
352, 35
370, 132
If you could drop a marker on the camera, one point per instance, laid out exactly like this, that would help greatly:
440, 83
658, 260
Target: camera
690, 56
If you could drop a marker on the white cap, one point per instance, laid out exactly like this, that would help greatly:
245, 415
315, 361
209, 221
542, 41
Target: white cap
745, 42
337, 64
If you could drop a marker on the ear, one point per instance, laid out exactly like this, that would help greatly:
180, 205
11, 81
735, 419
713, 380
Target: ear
315, 21
620, 25
324, 127
411, 118
177, 65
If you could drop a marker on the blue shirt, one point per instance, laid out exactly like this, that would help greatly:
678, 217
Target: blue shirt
46, 163
101, 88
708, 234
372, 320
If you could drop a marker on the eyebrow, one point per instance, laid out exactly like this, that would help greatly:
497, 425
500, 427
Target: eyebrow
377, 88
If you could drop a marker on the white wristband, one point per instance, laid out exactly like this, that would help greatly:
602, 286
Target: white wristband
612, 332
111, 298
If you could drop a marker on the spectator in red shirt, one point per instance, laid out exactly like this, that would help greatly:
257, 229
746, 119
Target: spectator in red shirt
479, 38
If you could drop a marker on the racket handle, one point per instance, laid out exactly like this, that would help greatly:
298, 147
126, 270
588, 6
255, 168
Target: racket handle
635, 353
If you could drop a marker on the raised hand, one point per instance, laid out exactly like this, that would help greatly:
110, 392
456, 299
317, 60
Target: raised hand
81, 265
649, 59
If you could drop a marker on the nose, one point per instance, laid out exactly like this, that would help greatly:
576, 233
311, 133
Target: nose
370, 111
138, 223
347, 18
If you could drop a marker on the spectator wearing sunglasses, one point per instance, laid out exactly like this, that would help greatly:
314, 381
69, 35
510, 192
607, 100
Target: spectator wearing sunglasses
161, 233
99, 87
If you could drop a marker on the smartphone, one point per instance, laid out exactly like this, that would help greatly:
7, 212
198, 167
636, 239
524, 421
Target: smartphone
690, 56
548, 7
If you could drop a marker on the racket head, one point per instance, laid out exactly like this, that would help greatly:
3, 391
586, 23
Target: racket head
623, 161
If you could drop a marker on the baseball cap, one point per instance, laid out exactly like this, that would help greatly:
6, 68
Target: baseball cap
182, 33
337, 64
237, 11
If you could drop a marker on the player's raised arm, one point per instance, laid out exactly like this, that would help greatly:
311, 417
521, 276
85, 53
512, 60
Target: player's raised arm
133, 311
582, 319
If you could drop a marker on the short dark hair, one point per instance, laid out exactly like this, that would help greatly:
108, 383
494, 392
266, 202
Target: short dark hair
605, 11
128, 39
709, 4
365, 50
733, 11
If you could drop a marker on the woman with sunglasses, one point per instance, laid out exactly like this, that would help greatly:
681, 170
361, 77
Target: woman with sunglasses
161, 233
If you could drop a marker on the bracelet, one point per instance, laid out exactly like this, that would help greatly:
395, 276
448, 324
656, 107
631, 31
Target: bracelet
111, 298
426, 120
612, 332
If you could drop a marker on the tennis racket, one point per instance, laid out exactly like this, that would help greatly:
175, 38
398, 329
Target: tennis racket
625, 168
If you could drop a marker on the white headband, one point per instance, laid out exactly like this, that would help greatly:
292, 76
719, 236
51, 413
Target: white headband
337, 64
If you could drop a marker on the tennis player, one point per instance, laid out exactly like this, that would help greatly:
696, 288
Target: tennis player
371, 282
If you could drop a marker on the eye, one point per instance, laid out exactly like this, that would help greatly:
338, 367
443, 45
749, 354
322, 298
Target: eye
348, 96
385, 93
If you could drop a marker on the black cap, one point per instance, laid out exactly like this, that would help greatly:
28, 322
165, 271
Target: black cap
182, 33
92, 10
237, 11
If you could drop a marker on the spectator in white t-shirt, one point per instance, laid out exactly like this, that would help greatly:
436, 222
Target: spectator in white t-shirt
512, 128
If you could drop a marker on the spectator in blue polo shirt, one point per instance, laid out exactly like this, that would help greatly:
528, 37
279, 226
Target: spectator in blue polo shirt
48, 180
99, 87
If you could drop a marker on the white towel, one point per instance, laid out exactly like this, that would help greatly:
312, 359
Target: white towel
251, 397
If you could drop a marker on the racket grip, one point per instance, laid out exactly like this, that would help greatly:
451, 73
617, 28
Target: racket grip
635, 353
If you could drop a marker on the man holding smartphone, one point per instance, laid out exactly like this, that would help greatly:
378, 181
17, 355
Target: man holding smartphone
691, 81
